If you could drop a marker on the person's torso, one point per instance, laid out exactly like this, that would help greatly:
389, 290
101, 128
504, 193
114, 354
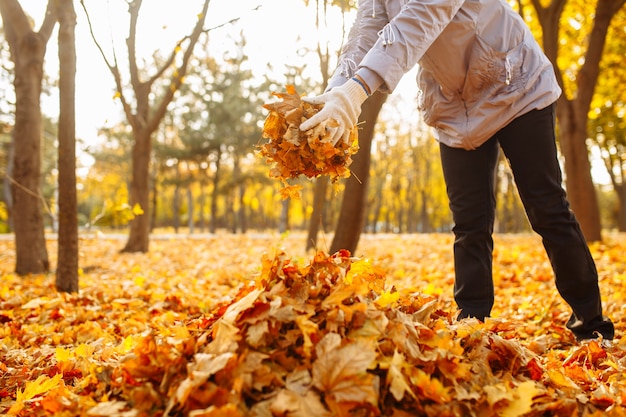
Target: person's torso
485, 65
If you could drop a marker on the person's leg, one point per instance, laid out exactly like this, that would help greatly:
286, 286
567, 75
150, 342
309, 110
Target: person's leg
469, 177
529, 144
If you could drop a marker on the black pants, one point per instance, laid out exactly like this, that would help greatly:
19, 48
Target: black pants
529, 144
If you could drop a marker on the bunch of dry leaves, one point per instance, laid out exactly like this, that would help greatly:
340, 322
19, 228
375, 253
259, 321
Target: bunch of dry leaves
325, 335
291, 152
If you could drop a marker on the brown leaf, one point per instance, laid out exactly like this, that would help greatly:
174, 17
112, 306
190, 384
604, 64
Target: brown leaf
341, 370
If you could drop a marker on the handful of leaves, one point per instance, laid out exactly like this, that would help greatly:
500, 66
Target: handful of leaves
292, 152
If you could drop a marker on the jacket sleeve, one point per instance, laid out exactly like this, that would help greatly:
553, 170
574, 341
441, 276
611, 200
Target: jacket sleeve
405, 39
371, 17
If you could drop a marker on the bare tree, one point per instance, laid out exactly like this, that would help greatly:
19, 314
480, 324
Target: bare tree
28, 49
145, 116
67, 265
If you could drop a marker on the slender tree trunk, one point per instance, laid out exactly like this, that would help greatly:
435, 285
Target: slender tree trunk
176, 201
202, 220
283, 221
240, 191
425, 226
27, 52
352, 214
620, 190
154, 192
67, 265
139, 237
215, 193
190, 210
317, 215
580, 188
243, 220
6, 183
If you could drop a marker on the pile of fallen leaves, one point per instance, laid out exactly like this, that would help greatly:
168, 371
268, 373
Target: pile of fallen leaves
292, 152
325, 337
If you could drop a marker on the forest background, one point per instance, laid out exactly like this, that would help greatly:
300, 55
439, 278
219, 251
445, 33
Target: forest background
143, 121
176, 150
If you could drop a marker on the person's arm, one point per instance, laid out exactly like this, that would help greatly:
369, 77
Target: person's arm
406, 38
371, 17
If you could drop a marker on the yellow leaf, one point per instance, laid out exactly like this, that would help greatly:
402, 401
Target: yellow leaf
523, 400
290, 191
308, 328
364, 271
558, 377
128, 344
428, 386
387, 298
32, 389
137, 210
62, 355
84, 351
398, 384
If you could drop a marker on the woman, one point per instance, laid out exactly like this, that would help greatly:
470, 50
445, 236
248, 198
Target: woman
484, 83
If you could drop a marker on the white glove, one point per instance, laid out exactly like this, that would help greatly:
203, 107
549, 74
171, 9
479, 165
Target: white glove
343, 104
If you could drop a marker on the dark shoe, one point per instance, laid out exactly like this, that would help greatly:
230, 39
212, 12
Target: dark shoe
601, 328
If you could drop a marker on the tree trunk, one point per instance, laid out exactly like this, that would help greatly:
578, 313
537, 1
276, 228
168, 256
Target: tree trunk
27, 52
621, 207
154, 192
215, 193
139, 237
202, 220
352, 214
573, 113
283, 221
176, 201
425, 226
317, 215
67, 265
580, 188
6, 183
190, 210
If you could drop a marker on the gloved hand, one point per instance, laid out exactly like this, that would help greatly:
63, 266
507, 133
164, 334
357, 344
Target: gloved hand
343, 104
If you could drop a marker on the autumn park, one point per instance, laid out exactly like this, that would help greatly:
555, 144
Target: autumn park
172, 244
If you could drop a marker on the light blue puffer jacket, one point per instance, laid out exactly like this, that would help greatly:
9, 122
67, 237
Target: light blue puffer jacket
479, 65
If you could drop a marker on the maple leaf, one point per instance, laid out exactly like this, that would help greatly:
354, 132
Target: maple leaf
398, 384
290, 191
294, 404
33, 389
427, 386
340, 371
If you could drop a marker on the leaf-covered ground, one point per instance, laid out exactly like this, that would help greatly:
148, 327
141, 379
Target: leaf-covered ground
254, 326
